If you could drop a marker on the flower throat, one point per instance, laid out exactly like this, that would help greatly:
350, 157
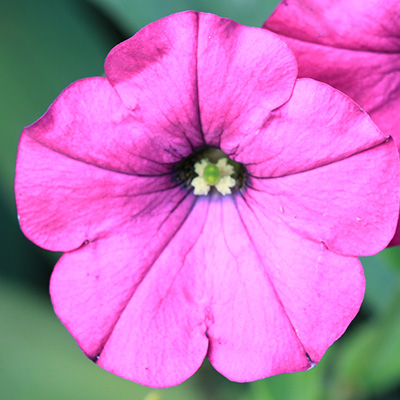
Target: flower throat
209, 170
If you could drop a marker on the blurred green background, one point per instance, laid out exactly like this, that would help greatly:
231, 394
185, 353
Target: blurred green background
44, 46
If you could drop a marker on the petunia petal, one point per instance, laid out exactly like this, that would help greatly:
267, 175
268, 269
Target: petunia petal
251, 336
167, 314
396, 238
371, 79
266, 304
350, 205
237, 305
154, 72
317, 126
350, 24
243, 74
154, 333
351, 45
117, 304
89, 122
63, 203
320, 291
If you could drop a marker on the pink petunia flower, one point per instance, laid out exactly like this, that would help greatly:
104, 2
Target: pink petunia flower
258, 269
353, 46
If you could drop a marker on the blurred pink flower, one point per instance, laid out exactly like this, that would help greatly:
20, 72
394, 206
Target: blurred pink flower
155, 278
353, 46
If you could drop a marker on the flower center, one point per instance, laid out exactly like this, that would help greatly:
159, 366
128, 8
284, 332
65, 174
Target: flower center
218, 175
211, 174
209, 169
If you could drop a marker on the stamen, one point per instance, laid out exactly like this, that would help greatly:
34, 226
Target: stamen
217, 175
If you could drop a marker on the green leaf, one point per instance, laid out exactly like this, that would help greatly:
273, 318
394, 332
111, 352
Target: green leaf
369, 362
40, 360
131, 15
382, 274
44, 45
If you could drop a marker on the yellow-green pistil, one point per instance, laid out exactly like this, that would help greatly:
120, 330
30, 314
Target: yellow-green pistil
211, 174
217, 175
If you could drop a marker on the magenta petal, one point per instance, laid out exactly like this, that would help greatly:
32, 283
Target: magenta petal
155, 74
320, 291
317, 126
339, 204
352, 45
88, 122
243, 74
250, 334
371, 79
269, 291
154, 333
396, 238
63, 203
160, 339
254, 304
360, 25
